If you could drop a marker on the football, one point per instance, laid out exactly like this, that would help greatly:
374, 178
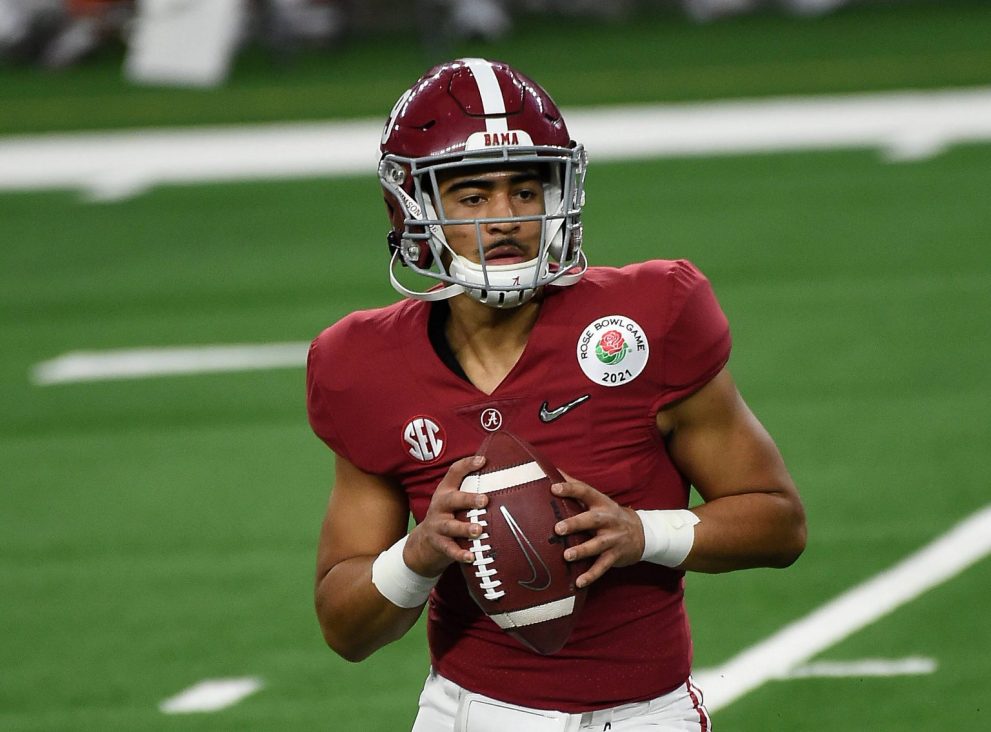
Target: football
519, 576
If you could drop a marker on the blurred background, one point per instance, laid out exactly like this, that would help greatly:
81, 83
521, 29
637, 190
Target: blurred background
187, 196
62, 33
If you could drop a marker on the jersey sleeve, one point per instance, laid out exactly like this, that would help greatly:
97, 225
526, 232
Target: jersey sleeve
323, 387
697, 339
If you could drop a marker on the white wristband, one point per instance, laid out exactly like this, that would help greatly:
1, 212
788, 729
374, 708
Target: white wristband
667, 536
399, 584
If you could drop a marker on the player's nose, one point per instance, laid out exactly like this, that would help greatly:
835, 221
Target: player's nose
501, 207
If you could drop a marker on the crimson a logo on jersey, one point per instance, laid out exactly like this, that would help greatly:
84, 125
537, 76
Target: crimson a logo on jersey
424, 438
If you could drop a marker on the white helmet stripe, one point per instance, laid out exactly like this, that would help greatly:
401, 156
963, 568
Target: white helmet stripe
491, 94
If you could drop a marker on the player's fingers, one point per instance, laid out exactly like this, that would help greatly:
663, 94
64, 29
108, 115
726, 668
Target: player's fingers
452, 550
457, 529
585, 521
572, 489
582, 492
459, 470
428, 553
448, 498
443, 544
597, 545
615, 537
454, 501
598, 568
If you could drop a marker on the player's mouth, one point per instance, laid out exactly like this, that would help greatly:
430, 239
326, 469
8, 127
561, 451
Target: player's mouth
505, 252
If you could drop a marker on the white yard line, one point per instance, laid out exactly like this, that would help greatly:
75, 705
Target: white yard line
141, 363
911, 666
211, 695
779, 655
114, 165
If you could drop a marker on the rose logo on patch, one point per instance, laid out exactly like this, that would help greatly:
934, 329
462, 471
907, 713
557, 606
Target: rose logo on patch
611, 348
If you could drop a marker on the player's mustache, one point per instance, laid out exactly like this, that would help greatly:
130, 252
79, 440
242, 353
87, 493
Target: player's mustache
508, 241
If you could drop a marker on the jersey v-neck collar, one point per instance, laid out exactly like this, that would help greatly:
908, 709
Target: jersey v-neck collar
438, 313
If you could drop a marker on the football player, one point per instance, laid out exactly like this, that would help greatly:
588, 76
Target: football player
617, 375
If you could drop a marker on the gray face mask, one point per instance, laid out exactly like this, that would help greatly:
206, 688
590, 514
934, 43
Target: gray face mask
424, 249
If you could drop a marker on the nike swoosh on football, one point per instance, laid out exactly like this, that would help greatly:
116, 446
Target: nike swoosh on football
541, 578
549, 415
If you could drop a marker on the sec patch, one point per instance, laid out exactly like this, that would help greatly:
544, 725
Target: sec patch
424, 439
612, 350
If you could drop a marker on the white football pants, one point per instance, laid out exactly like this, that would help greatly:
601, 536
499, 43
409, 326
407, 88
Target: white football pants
447, 707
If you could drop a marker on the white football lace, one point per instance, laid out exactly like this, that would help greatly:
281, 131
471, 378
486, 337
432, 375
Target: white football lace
478, 548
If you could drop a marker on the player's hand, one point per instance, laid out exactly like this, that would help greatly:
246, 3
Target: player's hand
432, 546
617, 531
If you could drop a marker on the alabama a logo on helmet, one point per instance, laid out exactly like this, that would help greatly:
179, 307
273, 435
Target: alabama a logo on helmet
613, 350
424, 439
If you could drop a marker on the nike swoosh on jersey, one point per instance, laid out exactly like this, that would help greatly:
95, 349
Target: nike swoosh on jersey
549, 415
541, 578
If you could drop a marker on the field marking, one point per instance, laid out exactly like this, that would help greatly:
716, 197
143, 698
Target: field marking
911, 666
211, 695
108, 166
780, 654
141, 363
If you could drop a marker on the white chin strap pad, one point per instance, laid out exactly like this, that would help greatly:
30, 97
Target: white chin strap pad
473, 276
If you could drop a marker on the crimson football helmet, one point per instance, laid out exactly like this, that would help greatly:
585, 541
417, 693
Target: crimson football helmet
473, 112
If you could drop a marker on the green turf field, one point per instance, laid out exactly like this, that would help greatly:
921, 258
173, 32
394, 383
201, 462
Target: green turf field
159, 532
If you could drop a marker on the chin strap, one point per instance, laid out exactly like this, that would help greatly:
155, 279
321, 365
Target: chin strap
571, 278
438, 293
453, 289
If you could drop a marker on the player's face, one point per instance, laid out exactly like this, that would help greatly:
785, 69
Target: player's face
494, 194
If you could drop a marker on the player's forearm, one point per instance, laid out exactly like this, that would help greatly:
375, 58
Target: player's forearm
356, 620
765, 529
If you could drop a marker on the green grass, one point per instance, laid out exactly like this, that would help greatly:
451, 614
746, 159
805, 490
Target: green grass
660, 57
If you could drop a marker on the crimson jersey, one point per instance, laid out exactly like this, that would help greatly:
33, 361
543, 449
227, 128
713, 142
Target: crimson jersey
633, 339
